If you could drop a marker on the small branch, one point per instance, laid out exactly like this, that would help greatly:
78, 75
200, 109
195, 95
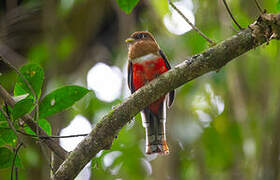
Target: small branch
49, 137
7, 116
229, 12
69, 136
259, 7
19, 73
236, 31
14, 160
192, 25
51, 144
16, 172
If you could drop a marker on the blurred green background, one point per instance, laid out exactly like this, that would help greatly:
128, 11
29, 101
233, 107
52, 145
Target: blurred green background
222, 125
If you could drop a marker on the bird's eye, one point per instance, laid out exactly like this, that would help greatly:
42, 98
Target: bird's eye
140, 36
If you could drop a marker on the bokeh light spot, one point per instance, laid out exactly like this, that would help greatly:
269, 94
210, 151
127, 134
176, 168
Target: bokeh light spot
106, 81
175, 23
79, 125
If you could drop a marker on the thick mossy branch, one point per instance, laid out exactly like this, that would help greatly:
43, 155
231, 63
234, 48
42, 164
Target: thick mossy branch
214, 58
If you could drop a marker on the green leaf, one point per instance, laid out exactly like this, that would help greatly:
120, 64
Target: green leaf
127, 5
7, 136
34, 74
61, 99
23, 107
7, 157
44, 124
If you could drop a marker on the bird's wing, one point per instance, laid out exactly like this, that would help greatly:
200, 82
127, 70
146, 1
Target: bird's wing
171, 93
130, 77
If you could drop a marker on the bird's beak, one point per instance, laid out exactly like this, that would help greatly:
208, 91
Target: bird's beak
129, 40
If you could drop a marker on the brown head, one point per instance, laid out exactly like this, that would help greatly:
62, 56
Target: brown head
141, 43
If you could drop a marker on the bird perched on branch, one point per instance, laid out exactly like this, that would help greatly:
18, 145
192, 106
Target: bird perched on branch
146, 62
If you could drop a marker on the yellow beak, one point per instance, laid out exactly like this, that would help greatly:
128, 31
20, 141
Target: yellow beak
129, 40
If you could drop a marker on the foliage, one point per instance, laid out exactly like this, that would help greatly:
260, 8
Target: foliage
23, 107
34, 74
44, 124
61, 99
7, 158
52, 103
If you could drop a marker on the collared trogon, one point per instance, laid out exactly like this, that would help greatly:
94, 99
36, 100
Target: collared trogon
146, 62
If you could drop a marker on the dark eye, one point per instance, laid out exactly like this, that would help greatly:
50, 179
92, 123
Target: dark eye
140, 36
143, 35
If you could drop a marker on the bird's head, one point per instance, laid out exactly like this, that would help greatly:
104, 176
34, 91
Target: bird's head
141, 43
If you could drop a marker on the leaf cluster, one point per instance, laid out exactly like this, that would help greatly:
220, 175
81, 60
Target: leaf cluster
28, 94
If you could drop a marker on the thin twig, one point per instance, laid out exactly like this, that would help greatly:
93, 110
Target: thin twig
21, 75
192, 25
231, 27
48, 137
259, 7
69, 136
14, 160
16, 172
229, 12
7, 116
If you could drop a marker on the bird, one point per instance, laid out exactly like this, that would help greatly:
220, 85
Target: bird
146, 61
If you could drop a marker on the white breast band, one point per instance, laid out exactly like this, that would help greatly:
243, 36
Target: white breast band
150, 56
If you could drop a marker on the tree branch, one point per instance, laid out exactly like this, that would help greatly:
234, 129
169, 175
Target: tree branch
259, 7
14, 160
55, 147
191, 24
212, 59
230, 14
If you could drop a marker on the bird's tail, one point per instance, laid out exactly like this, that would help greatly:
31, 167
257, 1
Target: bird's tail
154, 123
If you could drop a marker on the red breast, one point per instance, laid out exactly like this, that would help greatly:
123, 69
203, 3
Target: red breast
146, 71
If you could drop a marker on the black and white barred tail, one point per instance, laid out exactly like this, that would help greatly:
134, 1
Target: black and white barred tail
154, 124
